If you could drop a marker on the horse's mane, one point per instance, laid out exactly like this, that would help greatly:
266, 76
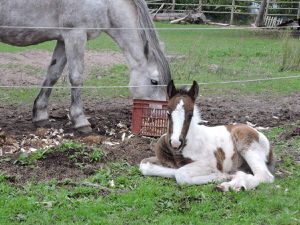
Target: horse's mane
183, 90
149, 36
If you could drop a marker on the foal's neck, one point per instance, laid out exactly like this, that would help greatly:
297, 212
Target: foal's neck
196, 117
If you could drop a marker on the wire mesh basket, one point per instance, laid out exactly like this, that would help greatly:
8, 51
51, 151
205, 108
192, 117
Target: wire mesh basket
149, 117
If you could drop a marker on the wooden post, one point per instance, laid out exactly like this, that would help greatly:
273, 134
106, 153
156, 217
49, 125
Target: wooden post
173, 4
298, 14
267, 9
232, 12
200, 5
259, 21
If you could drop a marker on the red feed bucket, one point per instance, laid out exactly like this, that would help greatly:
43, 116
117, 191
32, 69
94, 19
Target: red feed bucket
149, 117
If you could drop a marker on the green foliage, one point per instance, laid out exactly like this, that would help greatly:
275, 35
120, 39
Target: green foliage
291, 55
30, 159
79, 154
119, 194
240, 55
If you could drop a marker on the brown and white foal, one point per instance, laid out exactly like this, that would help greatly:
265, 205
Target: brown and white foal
196, 154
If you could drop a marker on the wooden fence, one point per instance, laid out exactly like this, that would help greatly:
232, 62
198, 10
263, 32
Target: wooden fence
173, 8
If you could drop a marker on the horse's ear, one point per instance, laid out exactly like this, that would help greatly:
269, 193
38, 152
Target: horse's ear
194, 90
171, 89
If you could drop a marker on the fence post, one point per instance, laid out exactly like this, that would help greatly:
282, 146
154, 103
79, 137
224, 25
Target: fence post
259, 21
173, 4
200, 5
298, 14
232, 12
267, 9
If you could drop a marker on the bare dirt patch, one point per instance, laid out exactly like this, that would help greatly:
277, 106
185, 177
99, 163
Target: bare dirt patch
111, 119
29, 67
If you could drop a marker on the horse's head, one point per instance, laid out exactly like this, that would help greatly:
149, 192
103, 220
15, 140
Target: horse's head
150, 78
180, 112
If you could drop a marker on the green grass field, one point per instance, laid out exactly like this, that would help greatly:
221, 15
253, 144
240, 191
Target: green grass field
240, 55
135, 199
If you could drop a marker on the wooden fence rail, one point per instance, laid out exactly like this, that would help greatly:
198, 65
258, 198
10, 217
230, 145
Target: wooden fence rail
172, 6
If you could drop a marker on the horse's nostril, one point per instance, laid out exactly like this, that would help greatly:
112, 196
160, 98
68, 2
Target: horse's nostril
175, 144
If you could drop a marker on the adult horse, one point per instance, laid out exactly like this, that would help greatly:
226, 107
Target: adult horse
71, 23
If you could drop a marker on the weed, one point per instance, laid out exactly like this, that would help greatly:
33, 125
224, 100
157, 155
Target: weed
30, 159
291, 55
79, 154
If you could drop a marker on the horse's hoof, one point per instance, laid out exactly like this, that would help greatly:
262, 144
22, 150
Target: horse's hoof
42, 123
222, 188
84, 130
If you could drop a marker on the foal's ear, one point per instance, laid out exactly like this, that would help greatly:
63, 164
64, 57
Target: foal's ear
171, 89
194, 90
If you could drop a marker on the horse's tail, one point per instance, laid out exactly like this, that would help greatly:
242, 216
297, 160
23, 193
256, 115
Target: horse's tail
148, 35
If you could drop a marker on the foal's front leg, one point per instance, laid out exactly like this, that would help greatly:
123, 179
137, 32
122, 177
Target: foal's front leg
152, 167
75, 45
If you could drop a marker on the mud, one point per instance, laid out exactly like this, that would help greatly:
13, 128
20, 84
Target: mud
111, 120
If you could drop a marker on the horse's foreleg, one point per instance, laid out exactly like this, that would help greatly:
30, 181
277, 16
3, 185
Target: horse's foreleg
198, 173
55, 69
151, 167
75, 45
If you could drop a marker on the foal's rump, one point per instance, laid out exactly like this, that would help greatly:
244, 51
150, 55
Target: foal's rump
246, 138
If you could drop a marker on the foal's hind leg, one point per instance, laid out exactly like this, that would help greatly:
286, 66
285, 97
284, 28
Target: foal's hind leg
55, 69
75, 41
257, 162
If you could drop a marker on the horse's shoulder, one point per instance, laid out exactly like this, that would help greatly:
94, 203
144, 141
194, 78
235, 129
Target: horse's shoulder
243, 132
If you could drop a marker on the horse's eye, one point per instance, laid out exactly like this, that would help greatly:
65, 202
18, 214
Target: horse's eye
154, 82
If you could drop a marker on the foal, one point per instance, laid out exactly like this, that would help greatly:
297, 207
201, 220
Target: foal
196, 154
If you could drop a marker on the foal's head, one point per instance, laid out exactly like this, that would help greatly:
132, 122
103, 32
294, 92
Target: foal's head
180, 112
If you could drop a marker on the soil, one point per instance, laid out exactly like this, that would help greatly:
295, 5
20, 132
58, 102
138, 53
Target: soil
29, 67
111, 120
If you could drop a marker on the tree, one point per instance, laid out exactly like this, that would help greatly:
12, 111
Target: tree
259, 22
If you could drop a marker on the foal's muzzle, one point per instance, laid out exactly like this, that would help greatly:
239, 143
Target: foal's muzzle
176, 144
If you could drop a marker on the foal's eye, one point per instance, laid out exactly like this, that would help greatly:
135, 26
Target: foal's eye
154, 82
168, 113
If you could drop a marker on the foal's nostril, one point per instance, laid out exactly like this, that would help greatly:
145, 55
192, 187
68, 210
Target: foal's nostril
175, 144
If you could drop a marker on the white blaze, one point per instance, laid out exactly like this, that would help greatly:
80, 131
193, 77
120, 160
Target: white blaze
178, 116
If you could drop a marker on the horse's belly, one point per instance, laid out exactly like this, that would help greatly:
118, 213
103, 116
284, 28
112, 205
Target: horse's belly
25, 37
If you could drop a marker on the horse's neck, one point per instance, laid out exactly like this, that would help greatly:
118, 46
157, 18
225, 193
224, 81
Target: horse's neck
195, 128
196, 117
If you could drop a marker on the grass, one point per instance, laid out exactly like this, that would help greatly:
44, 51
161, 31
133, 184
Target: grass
134, 199
121, 195
77, 153
238, 55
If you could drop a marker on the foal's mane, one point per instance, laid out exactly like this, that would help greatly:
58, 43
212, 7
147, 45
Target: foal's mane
183, 90
149, 36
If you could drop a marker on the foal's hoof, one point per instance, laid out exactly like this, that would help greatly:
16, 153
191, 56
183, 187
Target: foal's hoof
42, 123
84, 130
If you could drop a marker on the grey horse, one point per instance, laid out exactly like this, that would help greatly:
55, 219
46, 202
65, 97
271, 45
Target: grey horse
71, 23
